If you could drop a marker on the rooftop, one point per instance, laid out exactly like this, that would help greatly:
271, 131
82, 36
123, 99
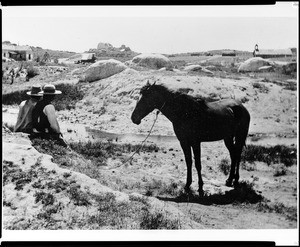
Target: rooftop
16, 47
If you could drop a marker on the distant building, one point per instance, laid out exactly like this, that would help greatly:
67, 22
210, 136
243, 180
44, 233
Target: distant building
79, 58
229, 53
269, 53
16, 52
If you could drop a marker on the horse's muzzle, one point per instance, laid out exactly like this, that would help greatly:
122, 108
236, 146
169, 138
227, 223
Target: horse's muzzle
135, 120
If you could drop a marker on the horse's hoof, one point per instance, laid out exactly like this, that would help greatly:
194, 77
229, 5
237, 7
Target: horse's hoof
201, 193
236, 185
228, 183
187, 190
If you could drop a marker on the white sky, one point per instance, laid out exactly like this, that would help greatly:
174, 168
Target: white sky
153, 29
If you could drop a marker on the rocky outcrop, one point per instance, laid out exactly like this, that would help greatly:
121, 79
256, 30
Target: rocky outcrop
102, 69
196, 67
152, 61
104, 46
253, 64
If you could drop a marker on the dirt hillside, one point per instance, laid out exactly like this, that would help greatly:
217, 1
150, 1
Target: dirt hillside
151, 183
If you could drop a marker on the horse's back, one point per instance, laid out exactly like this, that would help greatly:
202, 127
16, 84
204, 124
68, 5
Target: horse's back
229, 107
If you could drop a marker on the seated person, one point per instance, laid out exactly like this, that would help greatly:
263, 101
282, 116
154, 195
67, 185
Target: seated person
45, 124
24, 120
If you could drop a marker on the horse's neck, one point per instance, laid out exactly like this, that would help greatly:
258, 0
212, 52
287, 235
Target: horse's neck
176, 108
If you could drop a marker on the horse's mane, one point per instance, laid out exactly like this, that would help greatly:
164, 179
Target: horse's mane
194, 103
200, 102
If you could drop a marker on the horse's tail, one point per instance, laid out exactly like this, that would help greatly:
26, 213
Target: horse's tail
243, 119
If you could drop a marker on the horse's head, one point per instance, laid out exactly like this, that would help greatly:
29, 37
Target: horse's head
148, 101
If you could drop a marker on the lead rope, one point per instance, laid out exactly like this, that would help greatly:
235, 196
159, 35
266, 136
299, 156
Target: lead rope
142, 144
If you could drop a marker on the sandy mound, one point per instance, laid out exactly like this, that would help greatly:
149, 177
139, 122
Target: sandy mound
153, 61
102, 69
253, 64
38, 194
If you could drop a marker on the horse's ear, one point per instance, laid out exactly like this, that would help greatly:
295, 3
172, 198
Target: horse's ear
153, 83
148, 83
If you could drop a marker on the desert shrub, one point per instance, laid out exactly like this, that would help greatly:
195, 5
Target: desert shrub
15, 97
275, 154
112, 213
157, 220
31, 72
280, 170
50, 147
45, 198
224, 166
71, 94
158, 187
291, 86
248, 166
77, 196
261, 87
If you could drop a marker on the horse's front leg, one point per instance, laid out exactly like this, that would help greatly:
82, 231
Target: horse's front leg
197, 156
188, 160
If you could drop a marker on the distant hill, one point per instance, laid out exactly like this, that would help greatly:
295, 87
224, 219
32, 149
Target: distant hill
54, 54
39, 52
213, 52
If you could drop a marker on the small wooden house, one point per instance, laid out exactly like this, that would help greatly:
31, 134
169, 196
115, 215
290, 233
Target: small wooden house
270, 53
16, 52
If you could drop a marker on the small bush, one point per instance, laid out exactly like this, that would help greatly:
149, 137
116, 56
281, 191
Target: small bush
262, 88
32, 72
248, 166
280, 170
224, 166
45, 198
79, 197
71, 94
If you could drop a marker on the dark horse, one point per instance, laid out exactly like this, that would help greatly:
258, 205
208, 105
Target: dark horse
195, 121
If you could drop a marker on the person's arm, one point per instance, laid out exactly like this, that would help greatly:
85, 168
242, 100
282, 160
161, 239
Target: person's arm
49, 111
19, 116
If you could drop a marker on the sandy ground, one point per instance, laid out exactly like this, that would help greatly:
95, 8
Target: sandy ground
108, 104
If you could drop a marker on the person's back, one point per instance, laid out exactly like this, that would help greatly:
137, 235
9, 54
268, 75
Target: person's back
24, 120
45, 124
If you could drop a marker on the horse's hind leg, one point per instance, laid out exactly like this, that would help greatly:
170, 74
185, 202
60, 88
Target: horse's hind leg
231, 147
197, 155
188, 159
238, 153
240, 142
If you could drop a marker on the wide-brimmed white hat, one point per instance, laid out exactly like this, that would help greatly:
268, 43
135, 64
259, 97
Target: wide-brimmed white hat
35, 91
49, 89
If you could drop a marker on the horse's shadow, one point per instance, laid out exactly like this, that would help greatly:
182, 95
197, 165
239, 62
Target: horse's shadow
243, 193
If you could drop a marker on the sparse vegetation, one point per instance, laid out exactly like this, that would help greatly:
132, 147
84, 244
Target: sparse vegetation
261, 87
158, 220
289, 212
99, 151
62, 202
274, 154
71, 95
